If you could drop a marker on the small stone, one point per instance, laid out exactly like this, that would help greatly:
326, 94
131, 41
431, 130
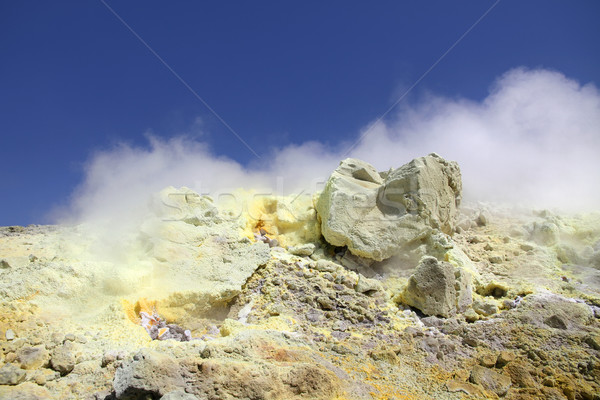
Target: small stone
526, 247
385, 355
546, 233
488, 247
471, 315
81, 339
490, 380
488, 360
485, 307
56, 338
326, 303
33, 357
340, 326
11, 375
483, 219
291, 285
504, 358
69, 337
4, 264
365, 285
593, 341
349, 282
432, 321
303, 250
437, 288
475, 239
40, 379
10, 334
63, 359
471, 341
326, 266
495, 259
109, 357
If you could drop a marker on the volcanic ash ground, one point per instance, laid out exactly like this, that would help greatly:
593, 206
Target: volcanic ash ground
382, 286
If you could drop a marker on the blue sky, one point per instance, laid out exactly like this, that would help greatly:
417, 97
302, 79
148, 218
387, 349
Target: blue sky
74, 80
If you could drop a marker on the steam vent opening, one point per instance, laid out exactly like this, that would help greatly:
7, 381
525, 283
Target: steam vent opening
381, 285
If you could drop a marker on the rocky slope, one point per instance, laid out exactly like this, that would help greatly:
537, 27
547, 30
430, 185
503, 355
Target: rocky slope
383, 286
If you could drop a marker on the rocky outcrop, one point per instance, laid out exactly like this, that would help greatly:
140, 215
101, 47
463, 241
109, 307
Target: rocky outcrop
303, 319
375, 214
437, 288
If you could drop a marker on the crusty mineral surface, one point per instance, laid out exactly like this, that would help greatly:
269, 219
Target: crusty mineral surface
377, 214
507, 307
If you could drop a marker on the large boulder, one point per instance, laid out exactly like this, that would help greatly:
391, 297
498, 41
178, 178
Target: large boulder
438, 288
375, 214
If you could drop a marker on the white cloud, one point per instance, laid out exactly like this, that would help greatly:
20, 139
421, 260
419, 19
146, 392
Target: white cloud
535, 139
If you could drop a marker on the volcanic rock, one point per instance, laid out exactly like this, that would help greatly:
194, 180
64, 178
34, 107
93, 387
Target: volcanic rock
33, 357
63, 358
490, 380
374, 217
438, 288
149, 373
11, 375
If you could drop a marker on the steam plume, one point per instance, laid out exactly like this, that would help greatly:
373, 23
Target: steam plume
534, 140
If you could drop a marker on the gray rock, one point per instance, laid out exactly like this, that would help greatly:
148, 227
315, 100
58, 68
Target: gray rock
374, 217
326, 303
436, 288
526, 246
485, 307
340, 325
63, 358
33, 357
303, 250
109, 357
483, 218
545, 233
70, 337
149, 373
11, 375
326, 266
365, 285
495, 259
4, 264
490, 380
